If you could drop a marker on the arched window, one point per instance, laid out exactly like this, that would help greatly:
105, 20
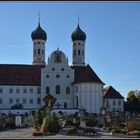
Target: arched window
65, 105
42, 52
47, 90
38, 100
57, 89
83, 52
74, 52
67, 90
78, 52
34, 52
38, 51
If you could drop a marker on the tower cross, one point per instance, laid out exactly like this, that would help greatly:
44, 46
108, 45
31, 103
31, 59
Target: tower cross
39, 18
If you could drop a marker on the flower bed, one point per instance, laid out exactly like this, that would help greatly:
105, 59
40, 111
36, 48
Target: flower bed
37, 133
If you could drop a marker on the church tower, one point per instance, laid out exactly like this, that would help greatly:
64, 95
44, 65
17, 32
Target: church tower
39, 38
78, 47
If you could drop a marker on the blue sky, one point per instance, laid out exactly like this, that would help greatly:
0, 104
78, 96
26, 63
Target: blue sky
112, 30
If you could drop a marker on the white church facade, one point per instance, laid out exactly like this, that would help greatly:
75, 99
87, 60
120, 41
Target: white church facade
74, 86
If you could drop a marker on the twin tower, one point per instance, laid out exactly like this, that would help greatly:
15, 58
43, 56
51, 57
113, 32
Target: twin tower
39, 38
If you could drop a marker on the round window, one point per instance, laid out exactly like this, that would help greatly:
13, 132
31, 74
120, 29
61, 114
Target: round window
68, 76
57, 75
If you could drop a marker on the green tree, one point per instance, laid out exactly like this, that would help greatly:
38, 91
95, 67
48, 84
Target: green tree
51, 124
132, 103
38, 119
44, 127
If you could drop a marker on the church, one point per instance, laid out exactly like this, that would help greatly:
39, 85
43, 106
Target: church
74, 86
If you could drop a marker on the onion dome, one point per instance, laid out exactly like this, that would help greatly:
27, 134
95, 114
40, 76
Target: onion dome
78, 34
39, 33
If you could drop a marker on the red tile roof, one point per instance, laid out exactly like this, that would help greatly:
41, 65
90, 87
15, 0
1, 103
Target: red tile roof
15, 74
110, 92
85, 74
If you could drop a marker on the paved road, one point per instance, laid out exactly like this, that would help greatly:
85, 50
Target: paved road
27, 133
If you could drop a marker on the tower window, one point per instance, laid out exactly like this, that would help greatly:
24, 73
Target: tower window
62, 69
38, 42
47, 76
57, 89
78, 52
79, 43
53, 69
42, 43
34, 52
38, 51
83, 52
42, 52
74, 44
74, 52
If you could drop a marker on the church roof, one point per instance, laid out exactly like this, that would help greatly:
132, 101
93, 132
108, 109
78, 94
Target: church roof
39, 33
78, 34
15, 74
85, 74
110, 92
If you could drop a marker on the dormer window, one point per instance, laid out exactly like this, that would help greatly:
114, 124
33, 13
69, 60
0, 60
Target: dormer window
57, 57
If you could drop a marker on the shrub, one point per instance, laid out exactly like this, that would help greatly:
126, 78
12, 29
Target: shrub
91, 122
115, 130
37, 133
38, 120
136, 132
89, 130
124, 131
54, 126
68, 122
72, 131
45, 125
51, 124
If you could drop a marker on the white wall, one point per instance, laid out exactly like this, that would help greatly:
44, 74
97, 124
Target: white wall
89, 96
63, 81
5, 96
116, 107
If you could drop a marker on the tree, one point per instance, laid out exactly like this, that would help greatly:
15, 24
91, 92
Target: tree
132, 104
38, 119
51, 124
